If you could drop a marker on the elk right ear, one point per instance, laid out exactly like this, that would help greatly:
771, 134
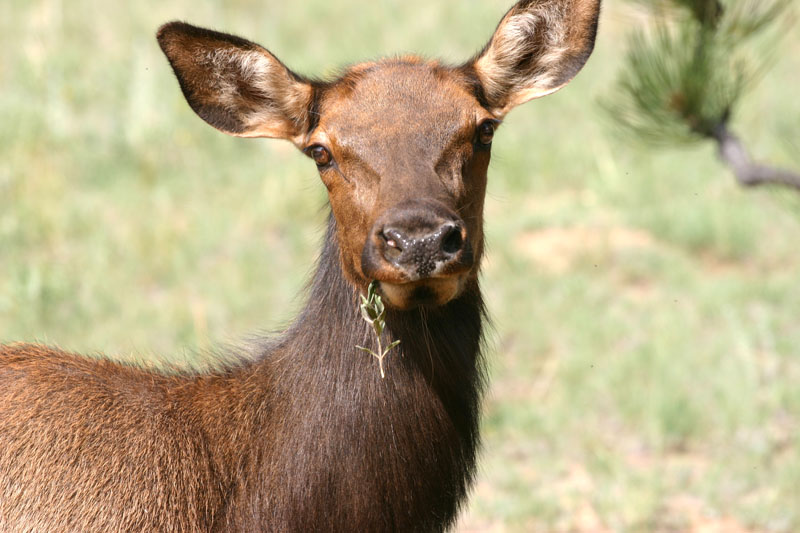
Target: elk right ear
237, 86
538, 47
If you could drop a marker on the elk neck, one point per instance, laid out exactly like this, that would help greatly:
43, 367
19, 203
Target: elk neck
441, 345
406, 443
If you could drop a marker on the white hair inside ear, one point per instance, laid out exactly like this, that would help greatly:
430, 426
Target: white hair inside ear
537, 48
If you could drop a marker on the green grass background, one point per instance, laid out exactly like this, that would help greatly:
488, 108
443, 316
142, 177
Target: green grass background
646, 344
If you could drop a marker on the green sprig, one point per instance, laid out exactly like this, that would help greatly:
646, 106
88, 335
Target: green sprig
374, 313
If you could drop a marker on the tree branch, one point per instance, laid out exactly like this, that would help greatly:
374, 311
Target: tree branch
749, 173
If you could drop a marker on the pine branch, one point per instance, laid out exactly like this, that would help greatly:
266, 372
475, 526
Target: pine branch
747, 172
685, 77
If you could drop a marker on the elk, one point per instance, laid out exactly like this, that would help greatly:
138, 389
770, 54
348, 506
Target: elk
303, 434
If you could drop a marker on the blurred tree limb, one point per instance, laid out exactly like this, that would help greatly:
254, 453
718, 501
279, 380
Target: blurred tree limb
685, 75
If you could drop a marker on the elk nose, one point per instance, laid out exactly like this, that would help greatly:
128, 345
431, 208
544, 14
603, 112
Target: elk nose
425, 252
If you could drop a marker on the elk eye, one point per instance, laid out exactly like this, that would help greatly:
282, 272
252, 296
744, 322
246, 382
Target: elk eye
321, 155
486, 132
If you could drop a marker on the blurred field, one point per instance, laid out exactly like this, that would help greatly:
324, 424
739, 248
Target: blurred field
646, 344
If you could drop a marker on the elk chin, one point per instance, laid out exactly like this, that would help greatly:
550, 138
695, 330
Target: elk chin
432, 292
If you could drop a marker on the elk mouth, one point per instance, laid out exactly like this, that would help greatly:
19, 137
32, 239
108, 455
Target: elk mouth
431, 292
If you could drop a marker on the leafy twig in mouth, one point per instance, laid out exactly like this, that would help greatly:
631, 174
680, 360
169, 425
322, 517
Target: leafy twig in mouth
374, 313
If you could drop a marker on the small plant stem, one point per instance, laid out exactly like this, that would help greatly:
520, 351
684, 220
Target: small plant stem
380, 357
373, 312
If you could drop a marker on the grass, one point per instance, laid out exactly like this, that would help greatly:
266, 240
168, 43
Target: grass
646, 349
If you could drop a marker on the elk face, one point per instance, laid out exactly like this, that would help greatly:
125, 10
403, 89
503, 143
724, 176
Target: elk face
404, 161
402, 145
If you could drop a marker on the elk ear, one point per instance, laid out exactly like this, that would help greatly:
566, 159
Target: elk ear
235, 85
538, 47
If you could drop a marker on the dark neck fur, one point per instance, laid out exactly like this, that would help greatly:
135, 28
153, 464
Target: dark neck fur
356, 452
443, 344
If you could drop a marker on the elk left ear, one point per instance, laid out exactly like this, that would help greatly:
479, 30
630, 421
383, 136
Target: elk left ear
235, 85
538, 47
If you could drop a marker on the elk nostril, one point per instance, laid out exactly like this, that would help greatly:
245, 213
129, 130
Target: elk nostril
392, 253
452, 241
393, 247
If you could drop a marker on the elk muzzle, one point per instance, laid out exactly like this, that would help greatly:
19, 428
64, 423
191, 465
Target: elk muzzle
420, 252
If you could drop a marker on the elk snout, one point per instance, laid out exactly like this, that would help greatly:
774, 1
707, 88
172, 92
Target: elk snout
416, 242
421, 254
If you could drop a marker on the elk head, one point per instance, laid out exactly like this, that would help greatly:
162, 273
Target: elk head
402, 145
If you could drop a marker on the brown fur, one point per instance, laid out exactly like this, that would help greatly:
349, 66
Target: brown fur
303, 434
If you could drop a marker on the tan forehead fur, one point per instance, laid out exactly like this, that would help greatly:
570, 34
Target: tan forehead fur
375, 80
398, 94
